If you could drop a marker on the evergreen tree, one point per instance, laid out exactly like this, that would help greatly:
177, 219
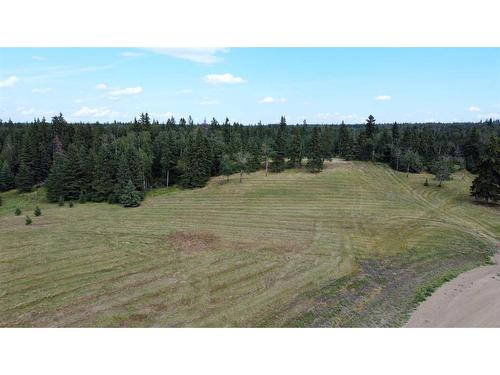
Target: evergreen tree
37, 211
487, 184
267, 152
28, 220
371, 129
24, 179
18, 211
345, 143
195, 163
7, 180
278, 163
55, 183
315, 162
296, 150
129, 196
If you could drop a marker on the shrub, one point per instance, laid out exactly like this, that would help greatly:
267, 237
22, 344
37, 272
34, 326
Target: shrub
61, 201
18, 211
28, 220
426, 183
71, 204
38, 211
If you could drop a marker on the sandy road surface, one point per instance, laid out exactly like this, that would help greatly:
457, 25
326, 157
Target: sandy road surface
470, 300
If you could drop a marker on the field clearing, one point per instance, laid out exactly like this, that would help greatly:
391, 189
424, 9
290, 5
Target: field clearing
347, 247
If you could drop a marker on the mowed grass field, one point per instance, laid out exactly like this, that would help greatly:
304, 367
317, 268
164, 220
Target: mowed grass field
350, 246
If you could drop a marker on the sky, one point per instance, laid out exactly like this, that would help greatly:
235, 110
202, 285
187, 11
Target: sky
320, 85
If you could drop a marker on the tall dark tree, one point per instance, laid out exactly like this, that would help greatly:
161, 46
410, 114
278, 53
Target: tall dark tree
345, 142
7, 180
296, 149
315, 158
278, 163
24, 178
371, 129
487, 184
195, 163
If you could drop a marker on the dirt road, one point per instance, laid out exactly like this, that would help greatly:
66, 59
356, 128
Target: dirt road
470, 300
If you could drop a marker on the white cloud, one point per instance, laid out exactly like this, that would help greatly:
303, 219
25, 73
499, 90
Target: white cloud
165, 115
38, 58
383, 97
9, 82
25, 111
223, 78
126, 91
101, 86
199, 55
209, 102
95, 112
185, 91
270, 99
131, 54
473, 108
37, 90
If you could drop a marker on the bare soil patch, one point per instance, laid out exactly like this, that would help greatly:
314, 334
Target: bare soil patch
193, 241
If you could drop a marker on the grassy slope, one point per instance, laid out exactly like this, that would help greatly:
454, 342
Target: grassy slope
346, 247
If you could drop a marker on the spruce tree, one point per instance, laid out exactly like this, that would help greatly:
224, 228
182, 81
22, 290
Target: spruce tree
296, 150
227, 166
24, 179
370, 131
18, 211
315, 162
28, 220
195, 163
487, 184
278, 163
55, 183
37, 211
345, 143
7, 180
129, 196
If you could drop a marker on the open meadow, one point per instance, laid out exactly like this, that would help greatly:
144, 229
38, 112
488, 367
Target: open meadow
355, 245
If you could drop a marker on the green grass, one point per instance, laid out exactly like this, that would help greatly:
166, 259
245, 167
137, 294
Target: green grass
350, 246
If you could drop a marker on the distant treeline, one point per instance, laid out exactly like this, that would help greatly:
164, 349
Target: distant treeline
118, 162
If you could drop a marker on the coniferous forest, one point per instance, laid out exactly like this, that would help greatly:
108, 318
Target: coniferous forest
119, 162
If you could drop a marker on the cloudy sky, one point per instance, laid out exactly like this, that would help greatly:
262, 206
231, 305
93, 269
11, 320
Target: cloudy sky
321, 85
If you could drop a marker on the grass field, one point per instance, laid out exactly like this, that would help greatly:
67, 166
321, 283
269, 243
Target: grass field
351, 246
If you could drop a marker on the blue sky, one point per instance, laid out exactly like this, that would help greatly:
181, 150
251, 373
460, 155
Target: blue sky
321, 85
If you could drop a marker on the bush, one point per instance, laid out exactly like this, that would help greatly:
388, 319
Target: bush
71, 204
28, 220
18, 211
426, 183
38, 211
61, 201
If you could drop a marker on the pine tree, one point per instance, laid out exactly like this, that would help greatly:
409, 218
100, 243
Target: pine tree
345, 143
129, 197
37, 211
7, 180
487, 184
18, 211
296, 150
315, 162
370, 131
55, 183
278, 163
104, 175
28, 220
24, 179
195, 163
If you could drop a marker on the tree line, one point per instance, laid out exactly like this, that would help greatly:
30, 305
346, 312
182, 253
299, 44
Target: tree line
119, 162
